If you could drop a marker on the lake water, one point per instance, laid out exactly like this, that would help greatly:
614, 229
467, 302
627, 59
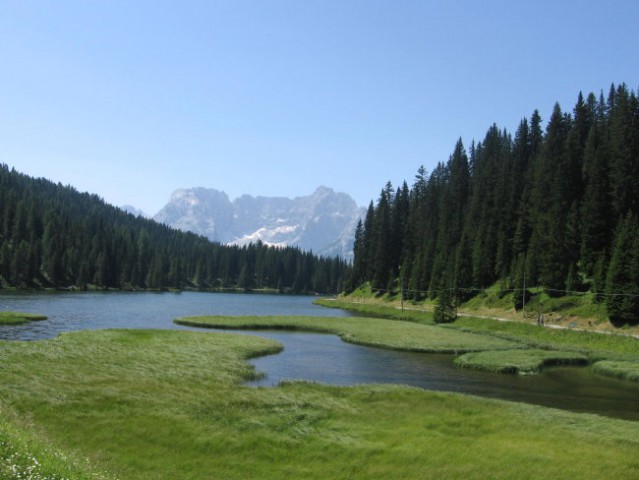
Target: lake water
317, 357
98, 310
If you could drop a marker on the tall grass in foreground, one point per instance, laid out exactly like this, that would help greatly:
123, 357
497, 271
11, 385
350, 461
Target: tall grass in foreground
24, 456
170, 405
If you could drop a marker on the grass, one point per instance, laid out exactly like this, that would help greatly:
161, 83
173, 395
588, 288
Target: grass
170, 405
596, 345
398, 335
24, 455
518, 361
379, 309
579, 309
17, 318
623, 370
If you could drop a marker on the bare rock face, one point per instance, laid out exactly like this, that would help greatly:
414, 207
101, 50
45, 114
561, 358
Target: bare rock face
323, 222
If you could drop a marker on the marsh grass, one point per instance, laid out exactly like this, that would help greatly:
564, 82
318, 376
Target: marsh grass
18, 318
618, 369
397, 335
596, 345
519, 361
170, 405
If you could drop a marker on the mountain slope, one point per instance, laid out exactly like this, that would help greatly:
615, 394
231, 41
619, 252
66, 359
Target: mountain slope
54, 236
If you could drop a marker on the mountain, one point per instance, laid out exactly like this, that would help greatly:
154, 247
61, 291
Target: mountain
323, 222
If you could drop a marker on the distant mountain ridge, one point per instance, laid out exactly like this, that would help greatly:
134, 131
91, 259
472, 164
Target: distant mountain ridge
323, 222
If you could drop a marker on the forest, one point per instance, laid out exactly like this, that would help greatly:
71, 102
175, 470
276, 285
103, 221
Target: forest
52, 236
556, 208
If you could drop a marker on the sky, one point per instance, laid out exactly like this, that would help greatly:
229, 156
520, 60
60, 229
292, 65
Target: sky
134, 99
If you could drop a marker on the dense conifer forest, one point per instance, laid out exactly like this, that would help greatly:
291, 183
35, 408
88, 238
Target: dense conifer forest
54, 236
555, 207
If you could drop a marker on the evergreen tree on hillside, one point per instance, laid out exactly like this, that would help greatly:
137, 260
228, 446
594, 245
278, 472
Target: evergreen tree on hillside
622, 285
624, 150
53, 236
382, 250
596, 221
551, 203
541, 207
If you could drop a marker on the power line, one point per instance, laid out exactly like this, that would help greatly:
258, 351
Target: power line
505, 290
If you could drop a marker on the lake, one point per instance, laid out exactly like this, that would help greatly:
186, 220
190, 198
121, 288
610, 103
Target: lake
318, 357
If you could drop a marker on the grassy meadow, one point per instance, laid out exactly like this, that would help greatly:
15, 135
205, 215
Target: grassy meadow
130, 404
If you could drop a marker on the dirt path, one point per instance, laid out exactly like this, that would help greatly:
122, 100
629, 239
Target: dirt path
572, 323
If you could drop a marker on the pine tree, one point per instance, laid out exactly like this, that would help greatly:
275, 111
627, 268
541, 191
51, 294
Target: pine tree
624, 150
445, 310
622, 284
382, 256
551, 203
595, 223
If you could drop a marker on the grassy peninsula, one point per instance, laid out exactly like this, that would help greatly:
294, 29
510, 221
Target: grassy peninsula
171, 405
373, 332
566, 338
18, 318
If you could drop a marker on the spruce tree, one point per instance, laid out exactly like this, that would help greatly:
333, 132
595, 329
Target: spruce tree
622, 284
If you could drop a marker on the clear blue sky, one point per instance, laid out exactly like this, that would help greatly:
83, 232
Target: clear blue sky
133, 99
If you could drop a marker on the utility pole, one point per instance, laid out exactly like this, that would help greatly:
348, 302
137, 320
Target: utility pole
538, 306
401, 279
523, 293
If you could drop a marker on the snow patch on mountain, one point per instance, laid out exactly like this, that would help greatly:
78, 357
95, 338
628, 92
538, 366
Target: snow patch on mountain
323, 222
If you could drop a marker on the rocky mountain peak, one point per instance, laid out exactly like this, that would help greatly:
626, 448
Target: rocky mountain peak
323, 222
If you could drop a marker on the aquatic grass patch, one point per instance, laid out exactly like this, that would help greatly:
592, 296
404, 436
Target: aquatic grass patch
171, 405
519, 361
376, 332
618, 369
18, 318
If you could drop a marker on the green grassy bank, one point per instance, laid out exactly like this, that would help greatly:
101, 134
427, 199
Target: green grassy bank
537, 346
572, 311
17, 318
374, 332
518, 361
171, 405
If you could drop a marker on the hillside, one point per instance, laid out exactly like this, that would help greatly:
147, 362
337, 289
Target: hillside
54, 236
554, 209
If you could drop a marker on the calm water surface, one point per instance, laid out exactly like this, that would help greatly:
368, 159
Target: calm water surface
316, 357
91, 311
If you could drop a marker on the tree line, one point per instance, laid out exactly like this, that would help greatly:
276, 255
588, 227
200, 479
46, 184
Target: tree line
555, 207
53, 236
